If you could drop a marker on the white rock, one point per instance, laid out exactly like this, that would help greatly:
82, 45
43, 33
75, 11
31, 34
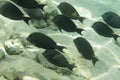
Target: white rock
29, 78
2, 78
13, 46
15, 66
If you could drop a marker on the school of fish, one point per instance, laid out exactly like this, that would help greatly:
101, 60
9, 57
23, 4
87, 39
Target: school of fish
64, 22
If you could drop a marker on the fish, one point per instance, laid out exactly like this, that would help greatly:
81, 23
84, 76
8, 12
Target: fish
41, 40
29, 4
10, 11
69, 11
63, 22
112, 19
57, 59
36, 14
85, 48
104, 30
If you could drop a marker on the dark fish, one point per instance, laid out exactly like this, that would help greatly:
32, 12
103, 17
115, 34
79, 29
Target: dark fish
10, 11
36, 14
63, 22
30, 4
57, 59
85, 49
69, 11
104, 30
42, 41
112, 19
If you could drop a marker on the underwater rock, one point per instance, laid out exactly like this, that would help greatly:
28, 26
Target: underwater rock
29, 54
50, 11
2, 78
2, 54
13, 47
21, 38
29, 78
16, 67
38, 24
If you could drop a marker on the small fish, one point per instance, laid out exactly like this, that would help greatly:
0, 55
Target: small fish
112, 19
57, 59
42, 41
35, 13
69, 11
104, 30
10, 11
30, 4
85, 49
63, 22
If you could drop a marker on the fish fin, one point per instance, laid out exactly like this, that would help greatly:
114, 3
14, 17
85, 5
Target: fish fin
78, 30
60, 29
41, 6
94, 60
26, 19
60, 48
56, 55
81, 19
71, 66
115, 36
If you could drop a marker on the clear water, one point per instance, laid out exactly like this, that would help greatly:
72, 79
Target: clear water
106, 50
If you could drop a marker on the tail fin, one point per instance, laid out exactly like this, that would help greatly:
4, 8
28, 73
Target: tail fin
78, 30
60, 48
71, 66
41, 6
26, 19
81, 19
115, 36
94, 60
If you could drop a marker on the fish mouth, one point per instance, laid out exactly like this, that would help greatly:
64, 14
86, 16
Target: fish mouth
27, 39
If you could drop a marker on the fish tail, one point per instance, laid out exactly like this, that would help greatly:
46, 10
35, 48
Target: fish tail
26, 19
79, 30
81, 19
41, 6
115, 36
71, 66
60, 48
94, 60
